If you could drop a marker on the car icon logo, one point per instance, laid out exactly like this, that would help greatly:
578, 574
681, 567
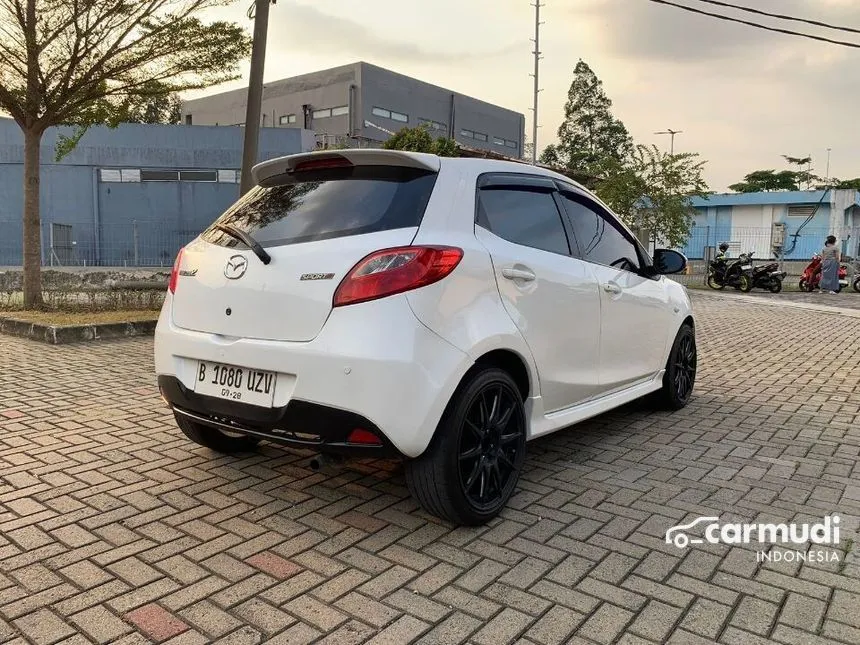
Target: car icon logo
676, 535
236, 267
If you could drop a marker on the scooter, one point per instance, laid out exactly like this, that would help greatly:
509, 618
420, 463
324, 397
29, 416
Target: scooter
723, 273
767, 276
811, 277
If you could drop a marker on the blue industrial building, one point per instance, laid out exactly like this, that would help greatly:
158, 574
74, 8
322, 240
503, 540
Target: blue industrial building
799, 220
130, 196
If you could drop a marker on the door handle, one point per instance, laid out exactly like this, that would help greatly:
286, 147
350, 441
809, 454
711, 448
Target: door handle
611, 287
518, 274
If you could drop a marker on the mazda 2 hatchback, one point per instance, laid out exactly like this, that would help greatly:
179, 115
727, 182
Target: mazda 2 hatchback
444, 311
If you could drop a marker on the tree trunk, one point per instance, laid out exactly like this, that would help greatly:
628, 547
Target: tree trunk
32, 222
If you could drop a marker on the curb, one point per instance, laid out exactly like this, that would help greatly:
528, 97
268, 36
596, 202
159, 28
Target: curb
65, 334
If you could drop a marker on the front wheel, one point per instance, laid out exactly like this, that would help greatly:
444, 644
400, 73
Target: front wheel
856, 285
227, 443
775, 286
805, 286
680, 376
745, 283
473, 463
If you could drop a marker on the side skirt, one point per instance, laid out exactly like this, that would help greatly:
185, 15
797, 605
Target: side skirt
542, 424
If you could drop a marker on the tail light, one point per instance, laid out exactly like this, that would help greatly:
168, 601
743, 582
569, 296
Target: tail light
391, 271
174, 273
363, 437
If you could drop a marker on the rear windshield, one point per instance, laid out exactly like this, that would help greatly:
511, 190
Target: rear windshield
325, 204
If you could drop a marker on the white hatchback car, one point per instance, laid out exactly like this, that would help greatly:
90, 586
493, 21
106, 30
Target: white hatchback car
376, 302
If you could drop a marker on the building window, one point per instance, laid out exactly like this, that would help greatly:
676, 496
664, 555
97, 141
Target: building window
321, 114
480, 136
467, 133
187, 119
343, 110
287, 119
511, 144
198, 175
159, 175
389, 114
499, 142
433, 125
228, 176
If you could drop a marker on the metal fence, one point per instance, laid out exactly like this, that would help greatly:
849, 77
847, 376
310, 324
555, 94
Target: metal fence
138, 243
142, 243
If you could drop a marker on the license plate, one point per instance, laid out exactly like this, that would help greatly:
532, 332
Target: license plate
240, 384
843, 282
746, 267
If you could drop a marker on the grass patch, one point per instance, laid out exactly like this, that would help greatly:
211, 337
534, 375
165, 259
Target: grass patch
81, 317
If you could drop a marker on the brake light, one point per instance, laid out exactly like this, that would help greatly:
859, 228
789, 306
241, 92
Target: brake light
174, 273
323, 164
390, 271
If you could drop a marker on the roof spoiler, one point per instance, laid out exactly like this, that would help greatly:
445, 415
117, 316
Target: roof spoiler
359, 157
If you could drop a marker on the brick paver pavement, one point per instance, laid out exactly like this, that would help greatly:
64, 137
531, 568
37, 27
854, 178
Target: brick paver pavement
115, 529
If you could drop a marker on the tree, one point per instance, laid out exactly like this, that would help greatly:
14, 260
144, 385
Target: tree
88, 62
589, 133
805, 176
652, 190
771, 180
419, 139
848, 184
159, 106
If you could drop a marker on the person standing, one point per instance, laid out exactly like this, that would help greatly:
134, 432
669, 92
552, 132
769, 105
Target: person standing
830, 258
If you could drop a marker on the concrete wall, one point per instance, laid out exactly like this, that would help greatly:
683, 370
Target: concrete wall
127, 222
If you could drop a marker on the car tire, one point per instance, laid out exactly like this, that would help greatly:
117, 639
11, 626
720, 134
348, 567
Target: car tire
217, 440
472, 465
681, 369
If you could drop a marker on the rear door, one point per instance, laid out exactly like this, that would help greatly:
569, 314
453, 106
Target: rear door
551, 296
316, 222
635, 310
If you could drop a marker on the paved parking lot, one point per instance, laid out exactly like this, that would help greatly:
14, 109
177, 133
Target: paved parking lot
115, 529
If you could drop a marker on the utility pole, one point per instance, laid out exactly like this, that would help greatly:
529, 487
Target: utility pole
537, 53
260, 12
827, 175
671, 132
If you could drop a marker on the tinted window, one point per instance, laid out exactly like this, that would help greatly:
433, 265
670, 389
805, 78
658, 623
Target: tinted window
600, 240
524, 217
324, 204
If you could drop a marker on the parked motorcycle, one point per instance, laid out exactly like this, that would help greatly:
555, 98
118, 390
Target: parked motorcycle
811, 277
724, 272
767, 276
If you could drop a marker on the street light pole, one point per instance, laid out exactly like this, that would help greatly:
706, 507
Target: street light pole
671, 132
827, 175
255, 92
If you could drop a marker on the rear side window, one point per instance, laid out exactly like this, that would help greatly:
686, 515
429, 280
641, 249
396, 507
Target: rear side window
330, 203
526, 217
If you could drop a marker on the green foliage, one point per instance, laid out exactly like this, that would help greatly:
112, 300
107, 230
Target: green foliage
85, 63
420, 139
652, 190
772, 180
848, 184
589, 133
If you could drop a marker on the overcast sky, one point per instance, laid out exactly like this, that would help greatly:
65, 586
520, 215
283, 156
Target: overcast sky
741, 96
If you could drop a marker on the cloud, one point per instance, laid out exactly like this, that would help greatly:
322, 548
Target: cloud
303, 28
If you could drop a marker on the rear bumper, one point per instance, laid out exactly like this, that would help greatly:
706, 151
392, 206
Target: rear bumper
373, 366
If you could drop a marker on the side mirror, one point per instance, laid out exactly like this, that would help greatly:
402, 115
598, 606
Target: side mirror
667, 262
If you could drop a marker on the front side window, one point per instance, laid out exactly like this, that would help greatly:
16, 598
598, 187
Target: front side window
601, 240
526, 217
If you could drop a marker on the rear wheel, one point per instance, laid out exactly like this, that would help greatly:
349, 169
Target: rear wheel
856, 284
221, 441
805, 286
680, 376
713, 284
472, 465
775, 286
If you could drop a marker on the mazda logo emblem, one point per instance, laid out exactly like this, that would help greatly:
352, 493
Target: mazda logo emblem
236, 267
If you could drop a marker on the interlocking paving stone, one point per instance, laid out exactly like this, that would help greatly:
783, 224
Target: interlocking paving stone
114, 528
